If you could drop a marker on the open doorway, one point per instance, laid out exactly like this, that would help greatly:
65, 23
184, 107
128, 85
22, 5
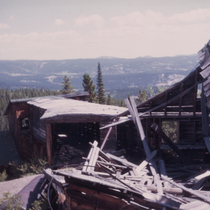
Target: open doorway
71, 142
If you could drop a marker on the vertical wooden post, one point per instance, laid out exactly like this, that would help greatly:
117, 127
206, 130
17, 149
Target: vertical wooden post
49, 143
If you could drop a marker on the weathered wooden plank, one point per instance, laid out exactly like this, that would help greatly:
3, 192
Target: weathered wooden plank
145, 145
206, 72
195, 205
146, 161
106, 137
90, 155
193, 192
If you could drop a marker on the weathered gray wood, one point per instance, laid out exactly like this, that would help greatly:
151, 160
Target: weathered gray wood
193, 192
93, 160
123, 161
195, 205
201, 180
106, 137
146, 161
90, 155
154, 108
139, 127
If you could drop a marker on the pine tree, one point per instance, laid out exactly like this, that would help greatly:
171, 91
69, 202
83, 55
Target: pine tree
67, 88
100, 87
109, 100
88, 86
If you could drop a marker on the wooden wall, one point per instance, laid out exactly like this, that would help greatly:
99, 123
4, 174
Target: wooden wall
29, 142
38, 127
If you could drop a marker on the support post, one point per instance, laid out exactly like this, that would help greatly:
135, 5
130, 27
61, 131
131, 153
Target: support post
49, 143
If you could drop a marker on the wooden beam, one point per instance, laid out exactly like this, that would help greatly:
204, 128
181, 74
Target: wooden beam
140, 129
193, 192
180, 100
49, 143
168, 141
155, 108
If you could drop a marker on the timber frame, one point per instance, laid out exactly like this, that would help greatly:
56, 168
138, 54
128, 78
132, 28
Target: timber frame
180, 104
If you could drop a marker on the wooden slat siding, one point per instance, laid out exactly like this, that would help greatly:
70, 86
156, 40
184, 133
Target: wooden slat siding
206, 63
49, 143
206, 82
195, 93
207, 87
206, 72
205, 120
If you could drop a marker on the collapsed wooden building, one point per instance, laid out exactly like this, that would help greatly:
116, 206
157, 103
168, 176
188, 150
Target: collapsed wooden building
105, 181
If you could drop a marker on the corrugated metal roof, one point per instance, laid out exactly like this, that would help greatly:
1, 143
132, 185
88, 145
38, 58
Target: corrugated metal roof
62, 106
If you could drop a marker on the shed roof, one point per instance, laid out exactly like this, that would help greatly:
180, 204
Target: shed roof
60, 107
55, 97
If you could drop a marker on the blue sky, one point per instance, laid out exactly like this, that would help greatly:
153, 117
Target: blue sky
61, 29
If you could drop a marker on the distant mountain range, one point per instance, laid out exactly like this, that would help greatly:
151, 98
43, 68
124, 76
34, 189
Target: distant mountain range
120, 76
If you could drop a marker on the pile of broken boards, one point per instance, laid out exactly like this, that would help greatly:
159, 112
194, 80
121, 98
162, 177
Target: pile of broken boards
105, 181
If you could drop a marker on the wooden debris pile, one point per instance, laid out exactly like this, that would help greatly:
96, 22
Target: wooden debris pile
109, 182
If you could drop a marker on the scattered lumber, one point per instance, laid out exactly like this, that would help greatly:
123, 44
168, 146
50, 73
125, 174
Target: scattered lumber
105, 181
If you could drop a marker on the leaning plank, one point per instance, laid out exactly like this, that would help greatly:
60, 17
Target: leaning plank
93, 160
146, 161
207, 142
90, 155
153, 168
196, 193
201, 180
106, 137
173, 146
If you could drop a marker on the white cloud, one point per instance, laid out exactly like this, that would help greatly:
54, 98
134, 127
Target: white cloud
3, 26
59, 22
132, 35
93, 20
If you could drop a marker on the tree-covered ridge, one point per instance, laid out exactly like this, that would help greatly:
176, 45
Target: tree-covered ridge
6, 95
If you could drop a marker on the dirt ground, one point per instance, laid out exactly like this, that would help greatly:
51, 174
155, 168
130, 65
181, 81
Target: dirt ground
16, 185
